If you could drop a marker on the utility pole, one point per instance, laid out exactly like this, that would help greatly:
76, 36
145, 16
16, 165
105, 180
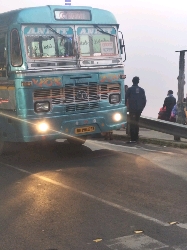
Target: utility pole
181, 82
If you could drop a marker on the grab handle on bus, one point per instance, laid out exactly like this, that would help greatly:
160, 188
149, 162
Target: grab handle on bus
8, 69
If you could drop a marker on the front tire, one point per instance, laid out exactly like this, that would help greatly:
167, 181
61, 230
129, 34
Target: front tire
7, 147
2, 147
77, 140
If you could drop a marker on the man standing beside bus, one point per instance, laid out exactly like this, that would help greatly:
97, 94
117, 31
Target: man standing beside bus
136, 101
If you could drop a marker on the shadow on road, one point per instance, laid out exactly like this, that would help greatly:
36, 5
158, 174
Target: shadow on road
48, 156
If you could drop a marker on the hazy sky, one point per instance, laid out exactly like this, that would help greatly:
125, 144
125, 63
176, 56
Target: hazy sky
153, 30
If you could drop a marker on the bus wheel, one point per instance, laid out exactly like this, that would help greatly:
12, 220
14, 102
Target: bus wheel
2, 146
5, 147
77, 140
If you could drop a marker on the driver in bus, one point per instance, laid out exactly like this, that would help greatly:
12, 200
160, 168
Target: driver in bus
66, 43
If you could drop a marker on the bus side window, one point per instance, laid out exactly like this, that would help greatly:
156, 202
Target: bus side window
3, 55
16, 55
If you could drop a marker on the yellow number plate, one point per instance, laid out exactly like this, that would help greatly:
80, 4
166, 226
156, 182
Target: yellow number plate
84, 130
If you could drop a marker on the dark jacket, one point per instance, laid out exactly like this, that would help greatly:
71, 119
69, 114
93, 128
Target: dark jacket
135, 98
169, 103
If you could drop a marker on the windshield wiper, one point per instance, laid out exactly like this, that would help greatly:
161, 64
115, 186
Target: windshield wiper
45, 38
55, 32
101, 30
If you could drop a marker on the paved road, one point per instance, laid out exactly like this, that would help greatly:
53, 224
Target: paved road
99, 196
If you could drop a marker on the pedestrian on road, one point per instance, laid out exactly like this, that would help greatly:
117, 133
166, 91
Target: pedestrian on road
126, 87
169, 103
173, 115
136, 101
125, 91
127, 124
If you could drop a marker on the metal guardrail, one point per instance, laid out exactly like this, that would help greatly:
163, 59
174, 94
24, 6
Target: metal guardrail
166, 127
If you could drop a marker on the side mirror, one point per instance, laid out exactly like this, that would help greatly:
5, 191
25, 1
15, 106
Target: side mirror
121, 45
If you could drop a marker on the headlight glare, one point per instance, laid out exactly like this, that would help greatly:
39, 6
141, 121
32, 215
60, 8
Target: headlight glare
43, 127
117, 117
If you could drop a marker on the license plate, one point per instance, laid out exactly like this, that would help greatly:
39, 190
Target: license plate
84, 130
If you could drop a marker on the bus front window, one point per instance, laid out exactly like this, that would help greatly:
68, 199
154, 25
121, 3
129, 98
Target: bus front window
41, 46
93, 43
49, 42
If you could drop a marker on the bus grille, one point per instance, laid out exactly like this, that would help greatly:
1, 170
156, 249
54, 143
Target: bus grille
80, 97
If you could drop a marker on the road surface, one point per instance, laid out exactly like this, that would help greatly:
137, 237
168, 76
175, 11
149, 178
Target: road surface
103, 195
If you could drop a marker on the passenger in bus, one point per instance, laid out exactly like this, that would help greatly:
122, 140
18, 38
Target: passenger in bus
66, 43
169, 103
136, 101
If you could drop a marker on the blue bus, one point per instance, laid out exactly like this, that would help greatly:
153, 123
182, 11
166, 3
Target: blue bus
61, 74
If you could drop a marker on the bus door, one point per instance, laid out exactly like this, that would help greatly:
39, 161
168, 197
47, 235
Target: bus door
7, 86
7, 90
3, 54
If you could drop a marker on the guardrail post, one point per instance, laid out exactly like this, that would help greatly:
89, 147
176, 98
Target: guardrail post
181, 81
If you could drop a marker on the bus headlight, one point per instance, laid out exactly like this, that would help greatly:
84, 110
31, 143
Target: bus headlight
42, 106
114, 98
117, 117
42, 127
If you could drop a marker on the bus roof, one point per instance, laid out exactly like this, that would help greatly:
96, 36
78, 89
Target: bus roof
45, 14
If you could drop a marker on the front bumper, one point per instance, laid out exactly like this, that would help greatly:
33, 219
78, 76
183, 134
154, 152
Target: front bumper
60, 127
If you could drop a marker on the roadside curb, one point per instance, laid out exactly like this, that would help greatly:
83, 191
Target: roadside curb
154, 141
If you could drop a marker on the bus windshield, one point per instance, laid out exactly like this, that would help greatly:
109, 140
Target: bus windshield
43, 42
94, 42
70, 45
